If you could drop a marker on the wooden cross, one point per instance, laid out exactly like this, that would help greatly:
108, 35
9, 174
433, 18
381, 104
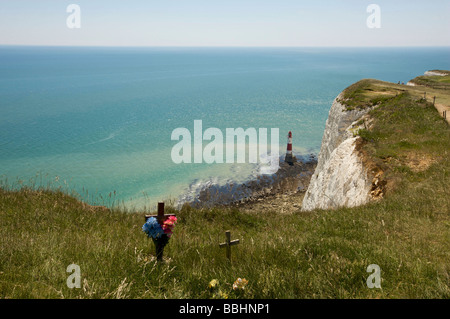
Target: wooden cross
161, 217
229, 243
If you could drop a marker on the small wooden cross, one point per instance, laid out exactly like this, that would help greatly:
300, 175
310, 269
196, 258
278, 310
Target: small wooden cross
229, 243
161, 217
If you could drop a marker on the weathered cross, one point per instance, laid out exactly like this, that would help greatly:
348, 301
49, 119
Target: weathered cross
161, 217
229, 243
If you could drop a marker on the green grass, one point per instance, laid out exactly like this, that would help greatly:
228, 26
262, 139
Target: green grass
368, 93
404, 125
320, 254
435, 81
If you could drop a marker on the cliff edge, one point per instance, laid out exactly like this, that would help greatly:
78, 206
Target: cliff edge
346, 174
340, 178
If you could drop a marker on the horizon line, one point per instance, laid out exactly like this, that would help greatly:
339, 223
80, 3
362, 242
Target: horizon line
219, 46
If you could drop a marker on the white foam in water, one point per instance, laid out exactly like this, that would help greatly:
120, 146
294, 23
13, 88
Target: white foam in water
231, 187
109, 137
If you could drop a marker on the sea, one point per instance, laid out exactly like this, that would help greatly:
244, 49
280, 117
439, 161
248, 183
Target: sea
98, 121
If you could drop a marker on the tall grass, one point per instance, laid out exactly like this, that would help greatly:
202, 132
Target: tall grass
323, 254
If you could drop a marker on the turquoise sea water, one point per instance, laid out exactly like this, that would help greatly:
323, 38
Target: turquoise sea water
100, 119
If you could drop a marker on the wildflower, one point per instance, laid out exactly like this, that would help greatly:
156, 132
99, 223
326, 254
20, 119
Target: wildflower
152, 228
240, 284
213, 284
168, 225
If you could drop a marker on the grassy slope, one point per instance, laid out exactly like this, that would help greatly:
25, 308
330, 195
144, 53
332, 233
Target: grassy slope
371, 92
298, 255
435, 81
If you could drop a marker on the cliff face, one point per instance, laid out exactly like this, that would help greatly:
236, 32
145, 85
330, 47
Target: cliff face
341, 177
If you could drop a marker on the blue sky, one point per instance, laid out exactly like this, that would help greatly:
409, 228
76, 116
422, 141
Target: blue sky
225, 23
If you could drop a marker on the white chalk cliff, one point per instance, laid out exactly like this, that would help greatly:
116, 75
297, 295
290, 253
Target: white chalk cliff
340, 178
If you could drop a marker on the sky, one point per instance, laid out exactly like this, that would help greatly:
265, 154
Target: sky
233, 23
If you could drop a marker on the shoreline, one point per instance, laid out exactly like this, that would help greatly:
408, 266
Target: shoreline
289, 180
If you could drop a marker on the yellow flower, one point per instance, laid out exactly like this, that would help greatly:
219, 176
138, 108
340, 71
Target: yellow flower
213, 284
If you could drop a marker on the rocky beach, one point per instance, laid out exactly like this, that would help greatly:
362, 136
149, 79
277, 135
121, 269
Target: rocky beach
289, 180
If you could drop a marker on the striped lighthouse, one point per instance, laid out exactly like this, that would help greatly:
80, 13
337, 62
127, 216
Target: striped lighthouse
289, 157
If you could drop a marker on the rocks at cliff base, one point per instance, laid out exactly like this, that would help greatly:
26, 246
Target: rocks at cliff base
289, 179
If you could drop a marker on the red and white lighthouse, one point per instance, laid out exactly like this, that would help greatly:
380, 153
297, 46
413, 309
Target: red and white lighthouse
290, 159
